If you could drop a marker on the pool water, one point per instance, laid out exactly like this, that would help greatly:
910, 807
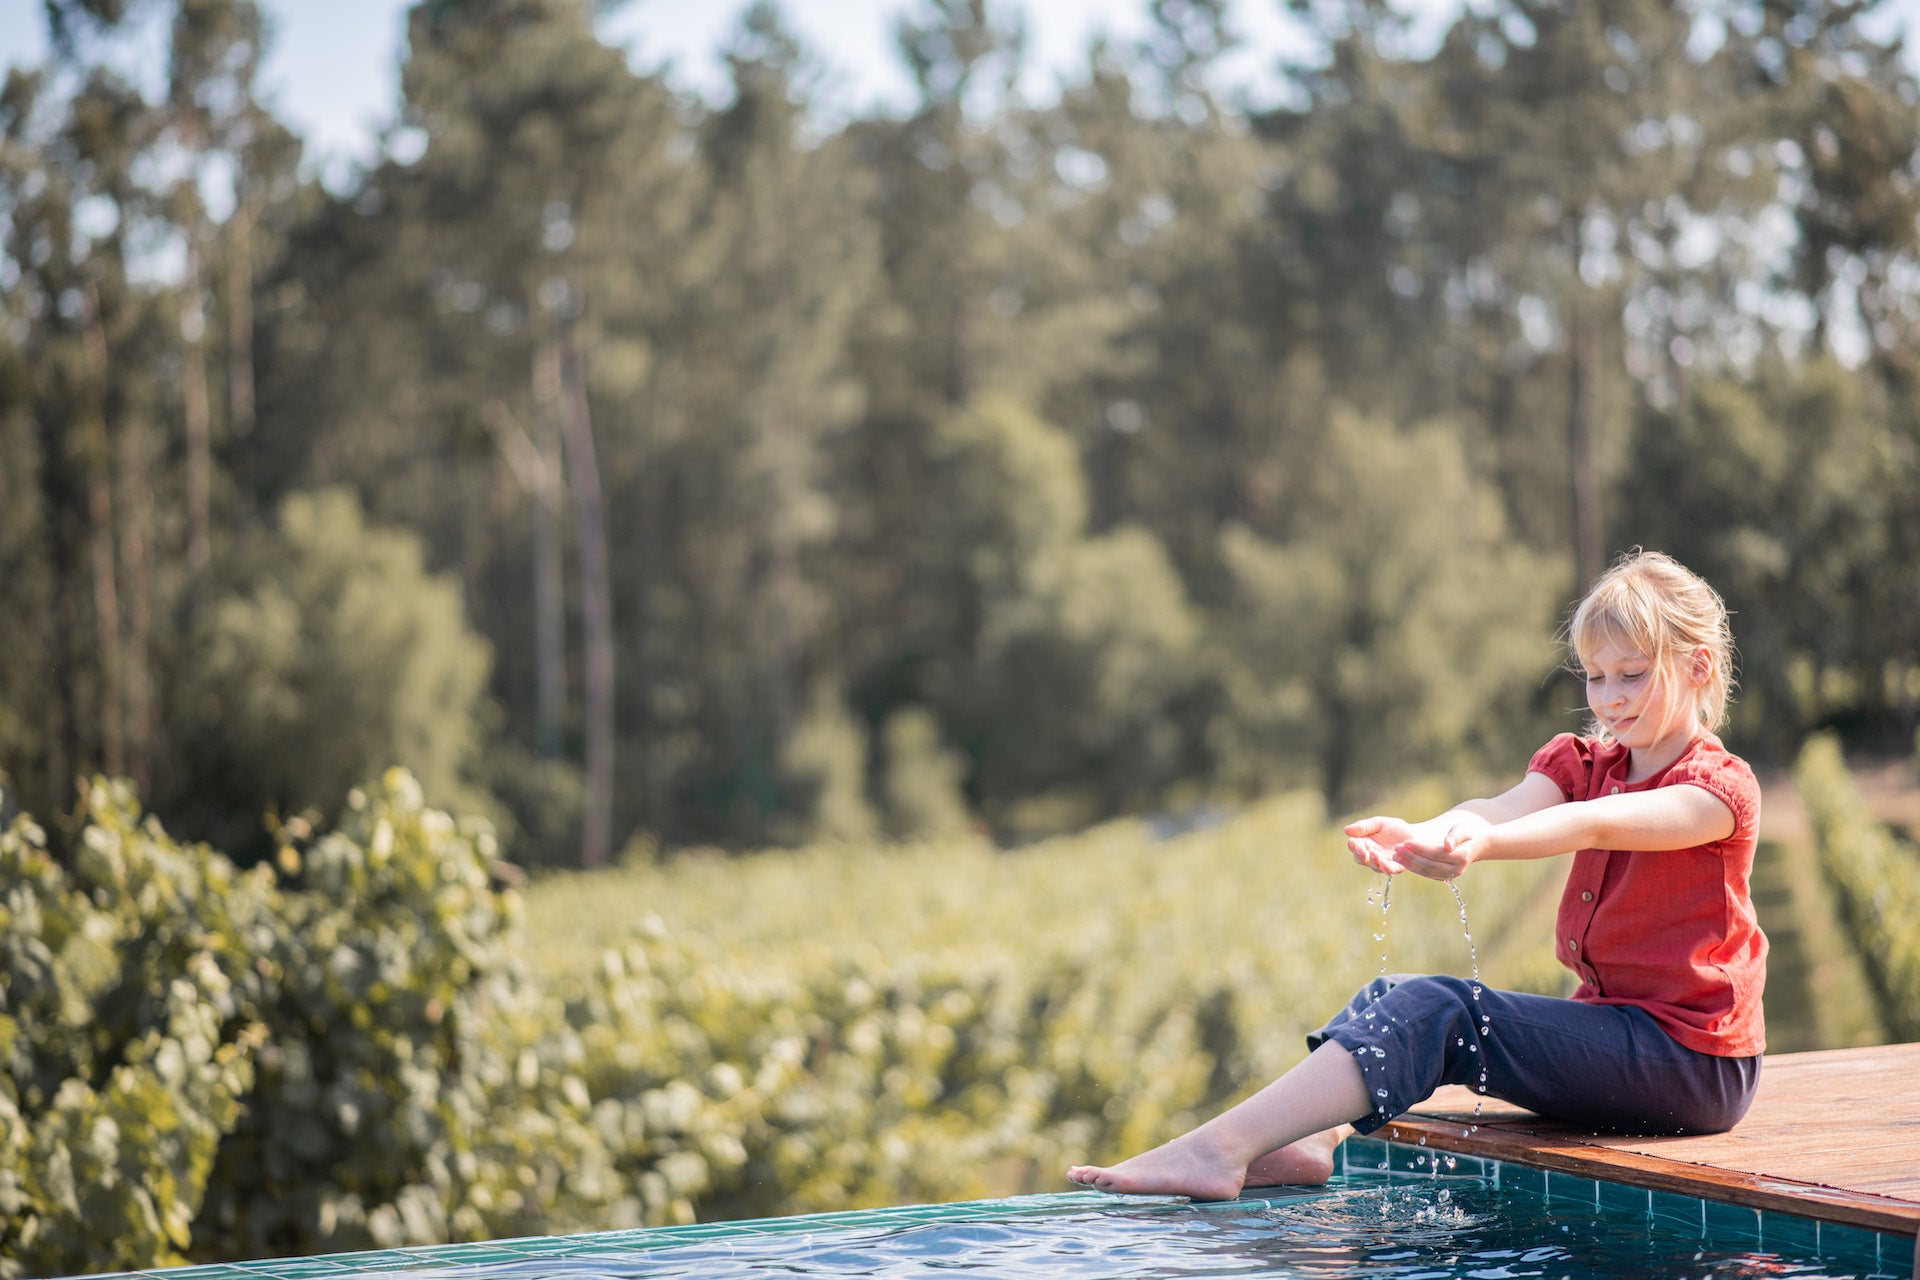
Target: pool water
1390, 1211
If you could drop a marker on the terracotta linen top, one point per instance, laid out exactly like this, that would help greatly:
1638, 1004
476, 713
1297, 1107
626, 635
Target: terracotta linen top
1671, 931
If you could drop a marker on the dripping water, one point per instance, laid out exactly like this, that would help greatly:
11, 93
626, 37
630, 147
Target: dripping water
1383, 894
1473, 957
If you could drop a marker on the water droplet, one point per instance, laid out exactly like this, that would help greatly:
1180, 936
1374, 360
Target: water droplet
1379, 1093
1473, 958
1450, 1163
1378, 1052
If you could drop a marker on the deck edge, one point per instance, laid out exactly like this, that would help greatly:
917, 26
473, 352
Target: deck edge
1755, 1191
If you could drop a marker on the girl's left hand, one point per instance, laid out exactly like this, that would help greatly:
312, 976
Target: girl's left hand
1444, 856
1371, 842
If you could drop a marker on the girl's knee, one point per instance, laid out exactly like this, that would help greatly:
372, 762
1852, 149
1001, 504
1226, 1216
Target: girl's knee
1438, 988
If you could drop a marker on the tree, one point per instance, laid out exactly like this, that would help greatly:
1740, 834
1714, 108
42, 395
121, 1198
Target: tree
1526, 211
325, 655
1398, 628
505, 243
1174, 346
1791, 494
1061, 652
100, 185
728, 479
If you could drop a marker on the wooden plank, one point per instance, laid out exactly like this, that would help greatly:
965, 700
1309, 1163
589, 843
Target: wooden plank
1833, 1134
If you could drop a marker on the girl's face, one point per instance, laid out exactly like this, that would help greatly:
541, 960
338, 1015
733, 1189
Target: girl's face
1640, 704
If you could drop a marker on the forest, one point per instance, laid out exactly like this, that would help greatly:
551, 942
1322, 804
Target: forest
725, 499
649, 474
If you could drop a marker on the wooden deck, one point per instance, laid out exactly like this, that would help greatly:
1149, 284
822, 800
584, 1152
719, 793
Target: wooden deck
1833, 1135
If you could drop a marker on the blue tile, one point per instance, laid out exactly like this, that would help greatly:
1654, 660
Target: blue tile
1523, 1178
1838, 1239
1620, 1198
1571, 1186
1732, 1223
1789, 1233
1678, 1213
1457, 1166
1413, 1158
1366, 1154
1896, 1255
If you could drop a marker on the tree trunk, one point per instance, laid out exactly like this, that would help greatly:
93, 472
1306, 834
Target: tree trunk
193, 391
100, 555
1582, 386
1583, 380
136, 536
549, 600
536, 470
59, 500
596, 605
560, 383
240, 320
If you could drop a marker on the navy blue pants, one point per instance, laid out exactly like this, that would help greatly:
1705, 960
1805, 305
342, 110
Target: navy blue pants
1606, 1067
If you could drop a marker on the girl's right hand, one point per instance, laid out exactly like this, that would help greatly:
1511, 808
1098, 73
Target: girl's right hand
1371, 842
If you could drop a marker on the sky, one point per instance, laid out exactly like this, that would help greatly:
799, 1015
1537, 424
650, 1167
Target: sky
333, 65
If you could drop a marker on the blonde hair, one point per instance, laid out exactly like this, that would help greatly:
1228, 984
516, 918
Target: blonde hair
1651, 604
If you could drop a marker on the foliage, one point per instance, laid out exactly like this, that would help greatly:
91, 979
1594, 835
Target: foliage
129, 985
200, 1062
970, 465
406, 1093
1784, 490
825, 763
1060, 652
1877, 877
922, 784
1124, 435
327, 653
946, 1020
1399, 624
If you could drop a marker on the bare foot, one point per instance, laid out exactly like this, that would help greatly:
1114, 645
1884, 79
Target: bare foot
1306, 1163
1182, 1167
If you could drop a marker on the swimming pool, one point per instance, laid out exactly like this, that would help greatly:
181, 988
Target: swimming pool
1391, 1210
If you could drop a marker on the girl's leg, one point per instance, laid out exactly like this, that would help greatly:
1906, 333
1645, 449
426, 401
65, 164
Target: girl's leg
1306, 1163
1610, 1067
1210, 1162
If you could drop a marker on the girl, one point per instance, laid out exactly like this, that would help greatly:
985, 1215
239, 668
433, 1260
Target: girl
1664, 1033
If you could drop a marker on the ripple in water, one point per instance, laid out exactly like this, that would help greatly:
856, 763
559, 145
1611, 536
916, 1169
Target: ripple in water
1439, 1229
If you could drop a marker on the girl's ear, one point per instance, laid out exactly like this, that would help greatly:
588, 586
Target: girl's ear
1701, 669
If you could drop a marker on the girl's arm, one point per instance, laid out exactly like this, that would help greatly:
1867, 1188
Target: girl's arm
1676, 817
1374, 841
1531, 794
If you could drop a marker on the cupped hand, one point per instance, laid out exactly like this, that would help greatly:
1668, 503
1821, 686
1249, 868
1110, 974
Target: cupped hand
1371, 841
1441, 850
